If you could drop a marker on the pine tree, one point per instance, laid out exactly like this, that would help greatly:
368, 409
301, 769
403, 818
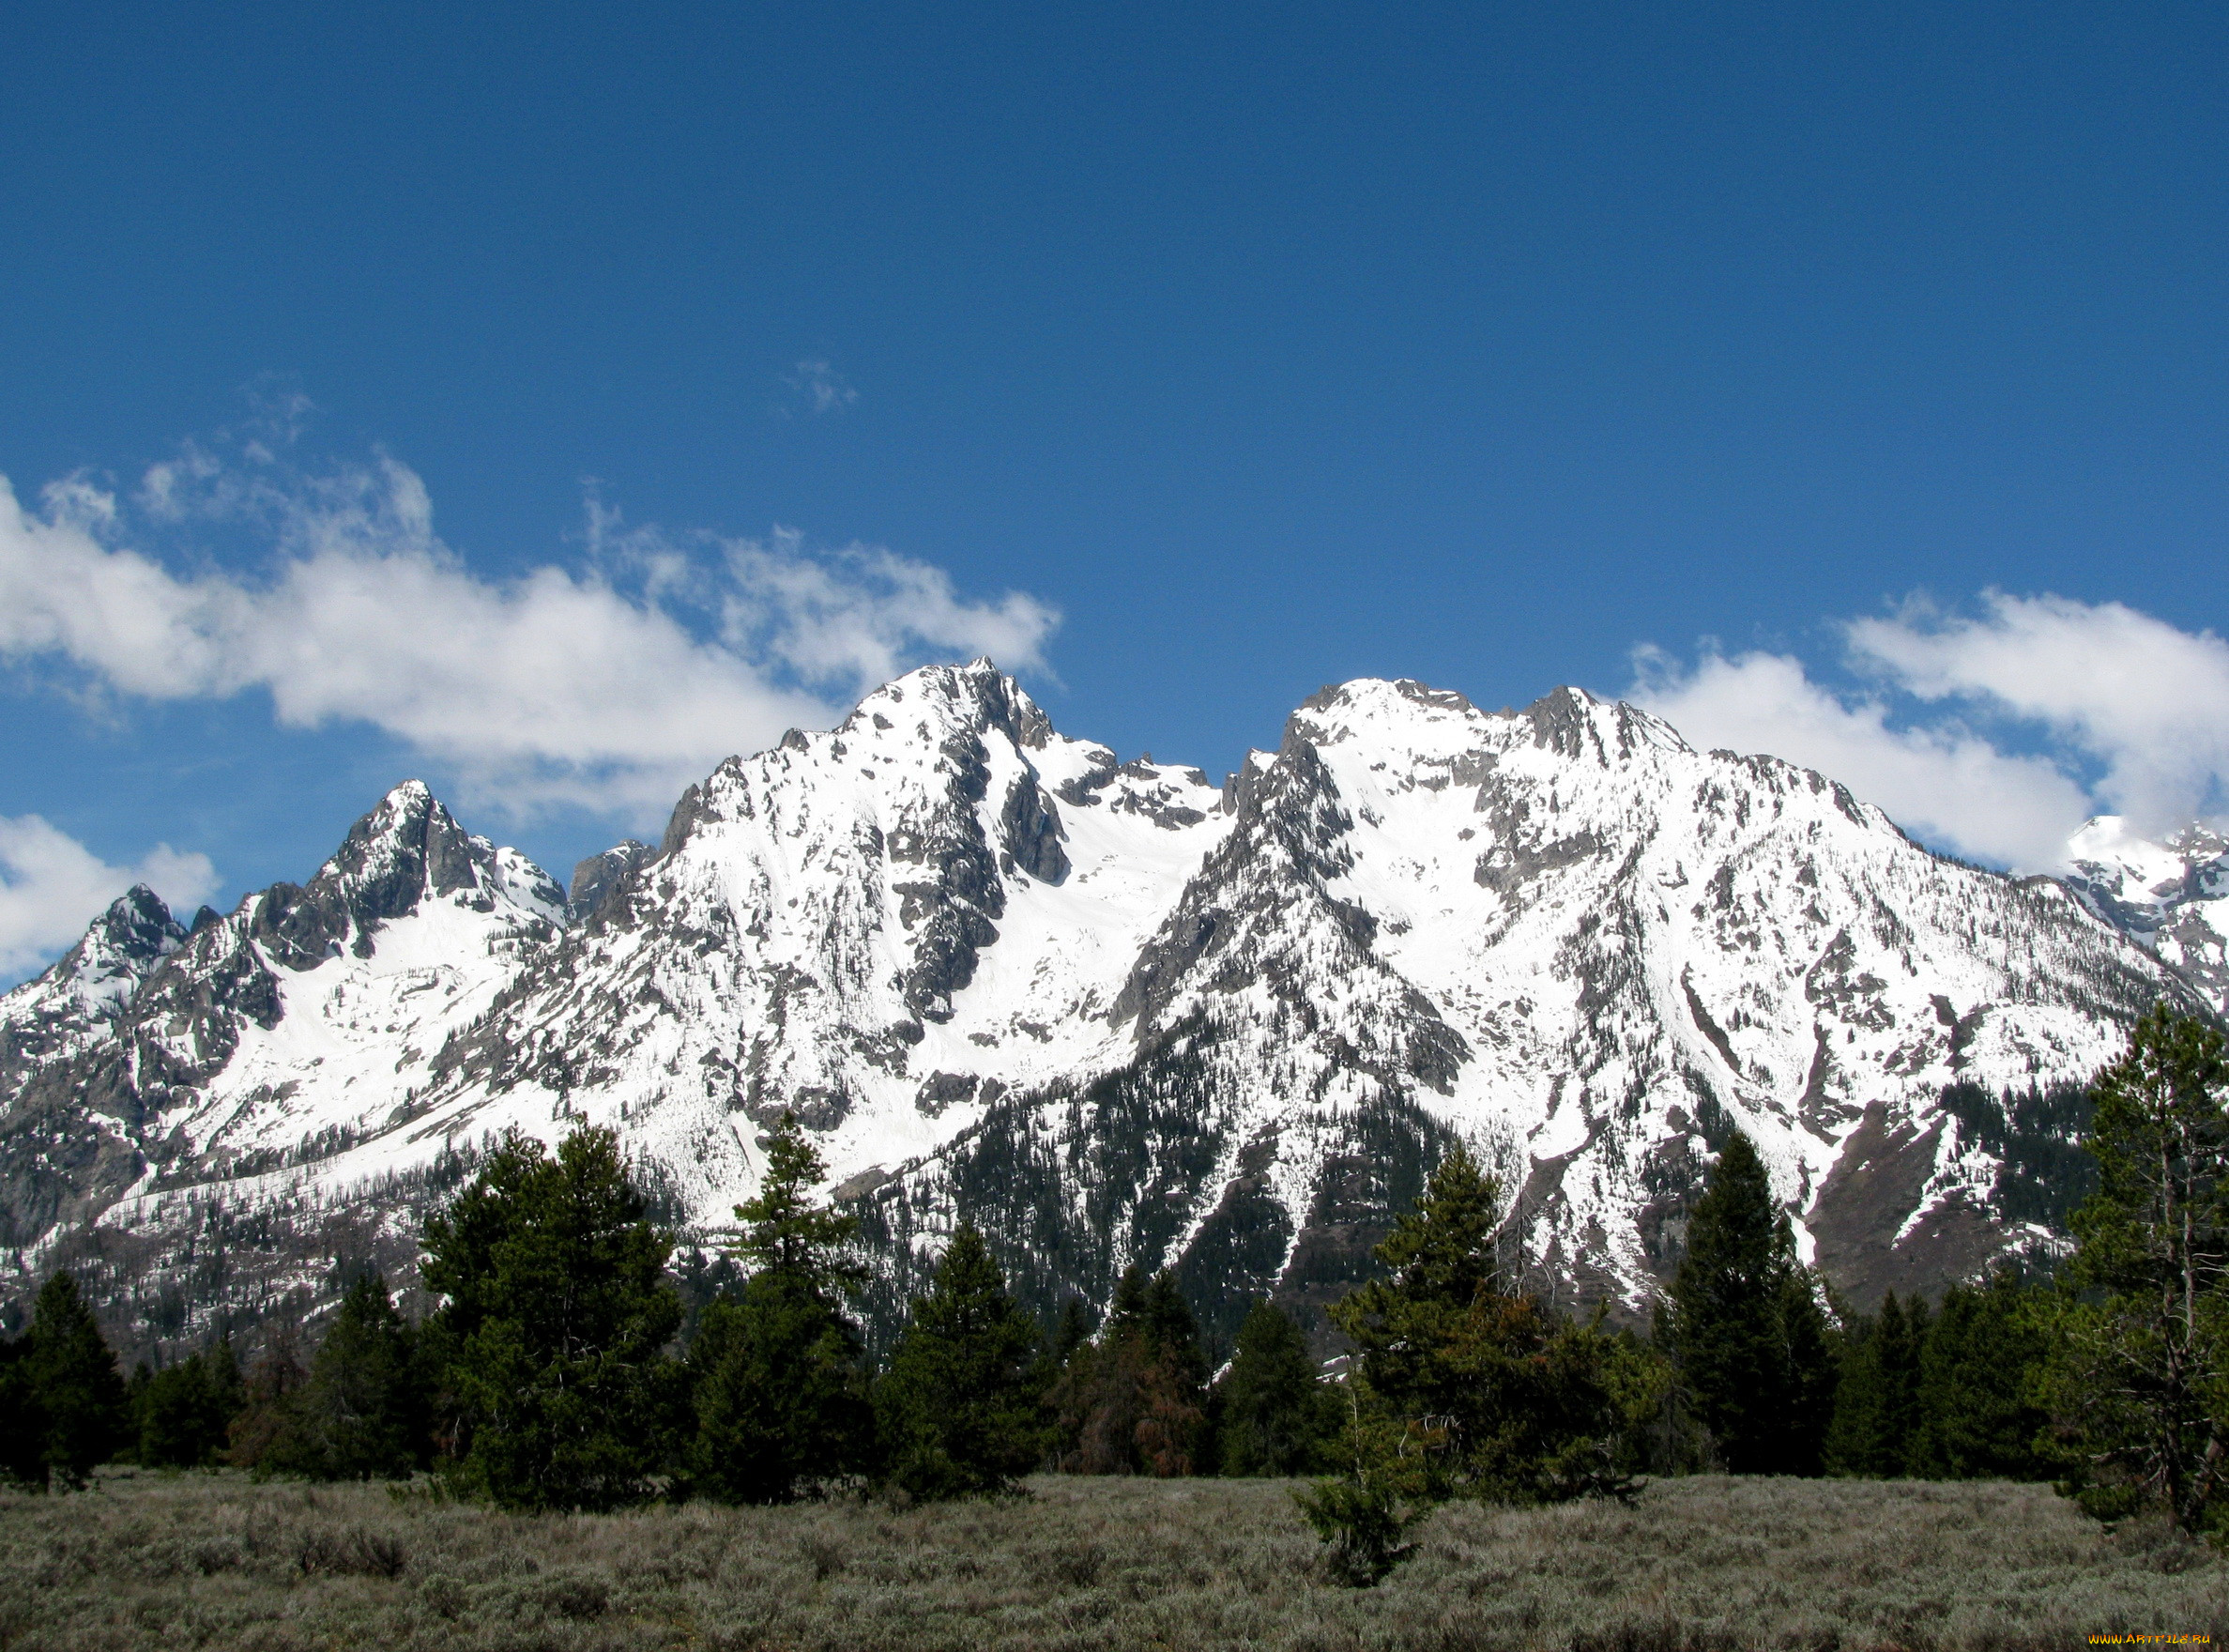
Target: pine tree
1979, 1371
2144, 1331
958, 1412
184, 1412
1489, 1394
1876, 1403
266, 1432
1135, 1400
550, 1340
73, 1395
1746, 1326
23, 1432
1273, 1417
362, 1412
775, 1375
1073, 1332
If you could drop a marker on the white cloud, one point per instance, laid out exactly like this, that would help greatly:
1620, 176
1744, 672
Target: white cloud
1973, 730
1946, 784
820, 388
2145, 701
855, 616
560, 686
52, 886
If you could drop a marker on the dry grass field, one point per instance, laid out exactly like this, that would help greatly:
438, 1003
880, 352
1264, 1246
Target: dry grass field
215, 1560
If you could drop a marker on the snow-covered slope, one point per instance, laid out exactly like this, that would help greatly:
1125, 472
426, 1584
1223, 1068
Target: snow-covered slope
2172, 898
1115, 1013
285, 1031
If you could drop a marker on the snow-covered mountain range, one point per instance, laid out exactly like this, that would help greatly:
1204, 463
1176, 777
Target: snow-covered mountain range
1112, 1011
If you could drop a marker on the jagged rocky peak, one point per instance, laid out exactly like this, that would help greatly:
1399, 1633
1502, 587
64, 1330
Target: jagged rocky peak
596, 877
121, 948
407, 850
78, 997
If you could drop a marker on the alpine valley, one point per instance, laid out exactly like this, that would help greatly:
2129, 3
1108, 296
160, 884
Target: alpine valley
1116, 1013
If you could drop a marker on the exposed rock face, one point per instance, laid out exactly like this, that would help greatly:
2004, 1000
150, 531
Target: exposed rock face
597, 876
1111, 1011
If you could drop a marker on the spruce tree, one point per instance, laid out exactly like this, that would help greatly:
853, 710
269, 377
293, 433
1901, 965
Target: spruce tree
551, 1336
1979, 1371
184, 1412
958, 1412
1483, 1391
778, 1393
1876, 1403
2144, 1332
362, 1412
1746, 1326
1135, 1400
21, 1430
1072, 1331
73, 1395
1273, 1416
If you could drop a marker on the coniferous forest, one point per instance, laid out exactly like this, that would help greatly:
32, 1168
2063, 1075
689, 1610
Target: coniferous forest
562, 1371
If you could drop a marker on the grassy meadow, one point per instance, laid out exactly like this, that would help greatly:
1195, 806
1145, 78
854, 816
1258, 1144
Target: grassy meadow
148, 1560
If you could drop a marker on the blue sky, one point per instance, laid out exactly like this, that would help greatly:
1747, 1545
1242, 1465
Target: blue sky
1188, 357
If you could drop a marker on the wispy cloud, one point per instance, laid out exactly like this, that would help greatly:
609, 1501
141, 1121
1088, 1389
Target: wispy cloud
607, 685
50, 885
1994, 731
820, 389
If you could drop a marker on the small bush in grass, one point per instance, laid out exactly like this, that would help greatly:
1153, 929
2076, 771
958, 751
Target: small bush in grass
1364, 1525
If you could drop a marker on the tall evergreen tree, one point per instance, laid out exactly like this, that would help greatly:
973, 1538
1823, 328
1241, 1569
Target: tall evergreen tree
184, 1412
776, 1374
1072, 1331
1135, 1400
1273, 1417
551, 1336
1980, 1415
363, 1411
69, 1395
1876, 1401
22, 1429
2138, 1387
1746, 1328
958, 1412
1492, 1395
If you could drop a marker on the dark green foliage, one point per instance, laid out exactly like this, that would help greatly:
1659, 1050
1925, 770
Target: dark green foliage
21, 1459
779, 1402
364, 1410
958, 1412
1486, 1393
184, 1412
778, 1395
2035, 1134
550, 1338
1135, 1401
64, 1404
1876, 1403
786, 1231
2137, 1387
1364, 1526
1746, 1327
1073, 1330
1273, 1415
1979, 1414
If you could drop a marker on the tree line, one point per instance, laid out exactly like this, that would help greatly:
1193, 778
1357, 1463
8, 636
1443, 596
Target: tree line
554, 1374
